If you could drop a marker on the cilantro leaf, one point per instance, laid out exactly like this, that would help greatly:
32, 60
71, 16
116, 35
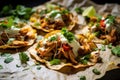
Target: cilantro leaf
43, 12
1, 67
116, 51
69, 36
5, 54
8, 57
110, 46
6, 10
64, 11
82, 78
8, 23
38, 67
18, 66
23, 12
8, 60
54, 14
20, 11
95, 71
78, 10
111, 19
103, 48
55, 61
53, 38
84, 61
23, 57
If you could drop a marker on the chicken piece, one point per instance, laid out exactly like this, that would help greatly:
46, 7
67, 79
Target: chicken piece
72, 57
4, 37
49, 47
19, 43
111, 37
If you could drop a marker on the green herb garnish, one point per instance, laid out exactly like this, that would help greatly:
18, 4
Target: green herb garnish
55, 61
8, 23
84, 61
23, 57
5, 54
79, 10
97, 33
95, 71
20, 11
1, 67
96, 49
103, 48
82, 78
97, 24
38, 67
17, 65
110, 46
111, 19
43, 12
65, 11
54, 14
6, 10
53, 38
8, 60
68, 35
116, 51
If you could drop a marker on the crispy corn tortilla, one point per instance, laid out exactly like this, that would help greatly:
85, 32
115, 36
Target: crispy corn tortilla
36, 19
18, 44
67, 68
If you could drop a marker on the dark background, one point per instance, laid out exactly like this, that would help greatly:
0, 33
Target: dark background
110, 75
31, 3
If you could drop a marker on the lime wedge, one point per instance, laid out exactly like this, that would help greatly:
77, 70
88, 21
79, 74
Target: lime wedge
89, 12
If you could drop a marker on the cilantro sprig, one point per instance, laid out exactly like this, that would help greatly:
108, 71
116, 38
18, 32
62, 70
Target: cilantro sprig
96, 71
7, 23
8, 57
55, 61
116, 51
23, 57
1, 67
68, 35
53, 38
79, 10
111, 19
85, 59
82, 78
20, 11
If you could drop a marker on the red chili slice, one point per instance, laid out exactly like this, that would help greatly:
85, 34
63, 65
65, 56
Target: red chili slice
102, 24
66, 47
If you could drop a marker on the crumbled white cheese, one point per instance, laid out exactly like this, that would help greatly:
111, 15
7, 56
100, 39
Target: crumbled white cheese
12, 31
57, 17
10, 40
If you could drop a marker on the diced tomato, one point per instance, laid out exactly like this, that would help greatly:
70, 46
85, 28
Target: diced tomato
102, 24
66, 47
